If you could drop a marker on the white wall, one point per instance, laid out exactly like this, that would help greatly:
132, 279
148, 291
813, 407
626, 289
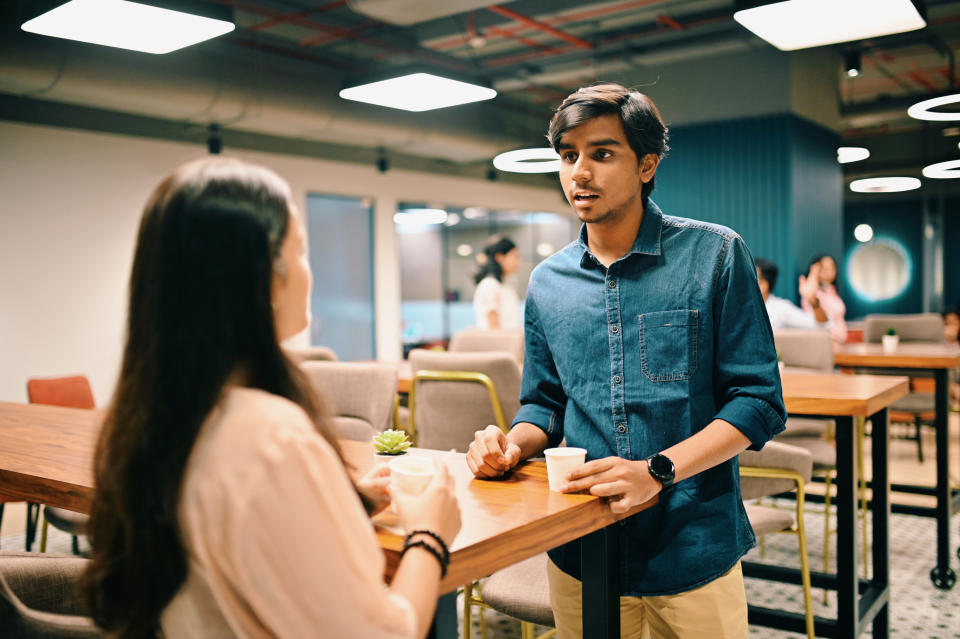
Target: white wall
70, 202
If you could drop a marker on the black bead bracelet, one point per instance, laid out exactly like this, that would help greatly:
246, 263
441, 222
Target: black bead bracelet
407, 545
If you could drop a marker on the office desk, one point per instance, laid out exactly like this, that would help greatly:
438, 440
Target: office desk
937, 359
46, 455
859, 601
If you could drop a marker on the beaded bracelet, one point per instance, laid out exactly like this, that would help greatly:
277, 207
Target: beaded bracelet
433, 551
439, 540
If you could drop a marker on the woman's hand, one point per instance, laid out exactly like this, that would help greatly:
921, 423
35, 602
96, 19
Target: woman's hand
374, 487
435, 509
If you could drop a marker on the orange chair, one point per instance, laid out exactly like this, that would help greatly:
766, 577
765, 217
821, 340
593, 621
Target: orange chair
71, 392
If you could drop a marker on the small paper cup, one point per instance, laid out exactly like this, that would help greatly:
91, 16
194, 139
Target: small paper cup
411, 474
561, 461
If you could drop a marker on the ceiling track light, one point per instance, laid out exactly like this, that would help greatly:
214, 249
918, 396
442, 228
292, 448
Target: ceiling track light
851, 63
800, 24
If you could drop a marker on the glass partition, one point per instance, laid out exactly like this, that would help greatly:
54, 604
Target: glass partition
438, 261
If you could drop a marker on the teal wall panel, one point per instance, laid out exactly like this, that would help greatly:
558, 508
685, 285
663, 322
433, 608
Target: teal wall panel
773, 179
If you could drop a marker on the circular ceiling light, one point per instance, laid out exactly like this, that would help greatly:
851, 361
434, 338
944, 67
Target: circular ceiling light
543, 160
420, 217
545, 249
847, 154
949, 170
464, 250
921, 110
885, 185
863, 232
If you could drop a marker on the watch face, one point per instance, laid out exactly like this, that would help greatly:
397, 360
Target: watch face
661, 466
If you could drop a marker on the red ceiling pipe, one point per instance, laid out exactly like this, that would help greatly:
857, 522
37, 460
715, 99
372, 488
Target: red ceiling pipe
530, 22
558, 20
319, 39
291, 17
670, 22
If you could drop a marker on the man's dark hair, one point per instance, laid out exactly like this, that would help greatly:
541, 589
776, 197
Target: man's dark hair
768, 271
646, 133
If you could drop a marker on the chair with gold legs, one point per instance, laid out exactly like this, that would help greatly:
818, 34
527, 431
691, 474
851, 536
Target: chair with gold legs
776, 469
452, 395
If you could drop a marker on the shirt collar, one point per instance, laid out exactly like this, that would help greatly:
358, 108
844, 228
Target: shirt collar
647, 241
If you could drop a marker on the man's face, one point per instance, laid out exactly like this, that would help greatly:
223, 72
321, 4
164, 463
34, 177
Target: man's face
764, 285
599, 172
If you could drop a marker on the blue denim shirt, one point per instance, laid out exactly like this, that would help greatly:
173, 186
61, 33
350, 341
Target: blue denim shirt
631, 359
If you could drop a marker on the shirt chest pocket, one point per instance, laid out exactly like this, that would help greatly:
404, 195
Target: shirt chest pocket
668, 345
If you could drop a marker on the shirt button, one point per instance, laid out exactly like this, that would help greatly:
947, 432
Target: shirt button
616, 379
612, 283
622, 428
614, 329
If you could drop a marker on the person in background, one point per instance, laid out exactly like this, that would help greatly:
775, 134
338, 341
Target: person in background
830, 300
782, 312
494, 303
223, 506
647, 344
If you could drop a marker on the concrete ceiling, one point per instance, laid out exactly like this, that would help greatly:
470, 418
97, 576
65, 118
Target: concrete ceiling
279, 72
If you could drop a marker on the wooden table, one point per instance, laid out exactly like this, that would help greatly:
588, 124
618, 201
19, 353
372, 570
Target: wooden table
859, 601
46, 455
938, 360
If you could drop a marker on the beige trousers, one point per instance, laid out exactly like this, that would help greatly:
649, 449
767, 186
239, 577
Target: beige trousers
717, 610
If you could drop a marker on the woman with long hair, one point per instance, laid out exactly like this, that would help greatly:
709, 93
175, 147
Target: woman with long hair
828, 296
222, 505
495, 304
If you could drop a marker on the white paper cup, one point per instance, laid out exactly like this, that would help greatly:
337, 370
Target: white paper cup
411, 474
890, 343
561, 461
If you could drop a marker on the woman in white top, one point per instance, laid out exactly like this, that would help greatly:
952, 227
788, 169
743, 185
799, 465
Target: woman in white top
222, 507
495, 304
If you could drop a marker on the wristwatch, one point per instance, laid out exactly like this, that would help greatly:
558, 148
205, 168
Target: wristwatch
661, 469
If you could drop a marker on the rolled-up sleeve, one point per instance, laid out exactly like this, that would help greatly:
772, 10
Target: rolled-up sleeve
746, 381
542, 400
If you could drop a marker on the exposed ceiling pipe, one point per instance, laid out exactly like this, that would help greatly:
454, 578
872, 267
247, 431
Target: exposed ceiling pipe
536, 24
196, 87
291, 17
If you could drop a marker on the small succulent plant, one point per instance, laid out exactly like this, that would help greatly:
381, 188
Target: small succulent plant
391, 442
891, 331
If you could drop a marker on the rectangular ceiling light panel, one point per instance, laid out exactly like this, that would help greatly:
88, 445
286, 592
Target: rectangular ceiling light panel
800, 24
418, 92
126, 25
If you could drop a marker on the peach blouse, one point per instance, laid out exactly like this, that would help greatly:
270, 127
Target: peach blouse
277, 540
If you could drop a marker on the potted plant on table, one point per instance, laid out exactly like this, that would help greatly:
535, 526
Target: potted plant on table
391, 443
891, 340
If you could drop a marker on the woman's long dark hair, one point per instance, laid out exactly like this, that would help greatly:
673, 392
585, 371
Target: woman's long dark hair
489, 265
200, 315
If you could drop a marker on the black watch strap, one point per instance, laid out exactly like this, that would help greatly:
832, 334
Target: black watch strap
662, 469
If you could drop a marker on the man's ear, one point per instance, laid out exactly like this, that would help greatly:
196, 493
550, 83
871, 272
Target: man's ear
648, 167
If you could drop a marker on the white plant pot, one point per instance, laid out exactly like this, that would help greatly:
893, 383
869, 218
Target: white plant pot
890, 343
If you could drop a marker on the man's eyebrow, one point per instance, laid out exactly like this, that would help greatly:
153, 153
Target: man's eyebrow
605, 142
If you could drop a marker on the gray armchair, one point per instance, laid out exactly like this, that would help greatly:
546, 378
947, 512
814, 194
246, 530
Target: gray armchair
360, 395
39, 598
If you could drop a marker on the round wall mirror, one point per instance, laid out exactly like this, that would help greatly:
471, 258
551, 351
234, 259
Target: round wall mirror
879, 270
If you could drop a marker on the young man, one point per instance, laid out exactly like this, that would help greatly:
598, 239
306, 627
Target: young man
647, 343
784, 313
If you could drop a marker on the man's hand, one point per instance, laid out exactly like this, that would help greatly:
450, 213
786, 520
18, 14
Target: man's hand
809, 285
491, 454
626, 483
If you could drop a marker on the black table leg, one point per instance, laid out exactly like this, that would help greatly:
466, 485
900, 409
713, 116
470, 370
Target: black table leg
601, 592
848, 595
942, 574
445, 618
880, 505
